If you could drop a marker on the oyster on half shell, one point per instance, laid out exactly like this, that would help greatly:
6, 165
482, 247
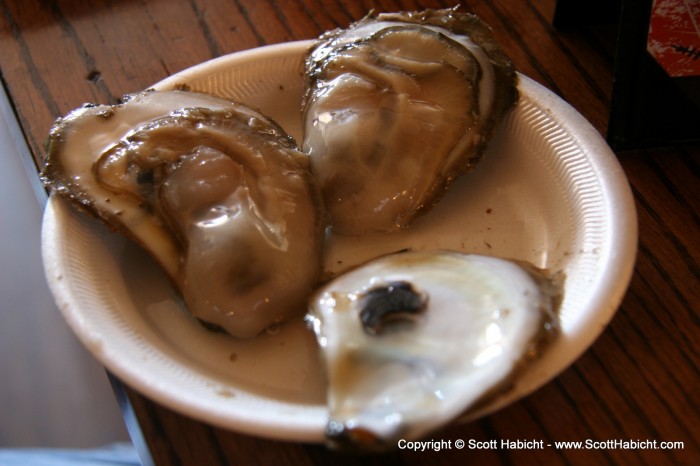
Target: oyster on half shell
215, 191
396, 107
413, 340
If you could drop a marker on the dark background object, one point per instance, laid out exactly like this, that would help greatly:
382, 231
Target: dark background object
649, 108
574, 13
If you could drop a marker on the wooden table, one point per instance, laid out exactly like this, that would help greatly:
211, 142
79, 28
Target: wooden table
639, 381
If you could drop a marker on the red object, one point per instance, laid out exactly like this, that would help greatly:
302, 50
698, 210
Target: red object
674, 36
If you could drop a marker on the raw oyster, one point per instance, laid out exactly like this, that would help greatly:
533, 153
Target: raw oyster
215, 191
397, 106
412, 340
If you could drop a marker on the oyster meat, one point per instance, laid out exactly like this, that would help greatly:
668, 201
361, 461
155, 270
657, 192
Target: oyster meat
412, 340
215, 191
396, 107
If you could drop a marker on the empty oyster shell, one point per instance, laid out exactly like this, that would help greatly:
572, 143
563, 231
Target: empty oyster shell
397, 106
412, 340
215, 191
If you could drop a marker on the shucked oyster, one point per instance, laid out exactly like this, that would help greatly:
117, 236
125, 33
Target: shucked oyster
412, 340
397, 106
215, 191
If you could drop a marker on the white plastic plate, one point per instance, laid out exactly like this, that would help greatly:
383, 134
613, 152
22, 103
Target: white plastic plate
549, 191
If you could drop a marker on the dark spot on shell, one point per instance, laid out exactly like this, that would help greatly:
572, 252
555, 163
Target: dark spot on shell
391, 306
344, 438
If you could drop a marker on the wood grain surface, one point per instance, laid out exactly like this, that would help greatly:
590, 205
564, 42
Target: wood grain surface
641, 378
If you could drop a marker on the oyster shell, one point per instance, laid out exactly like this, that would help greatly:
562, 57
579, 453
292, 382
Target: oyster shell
410, 341
397, 106
215, 191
